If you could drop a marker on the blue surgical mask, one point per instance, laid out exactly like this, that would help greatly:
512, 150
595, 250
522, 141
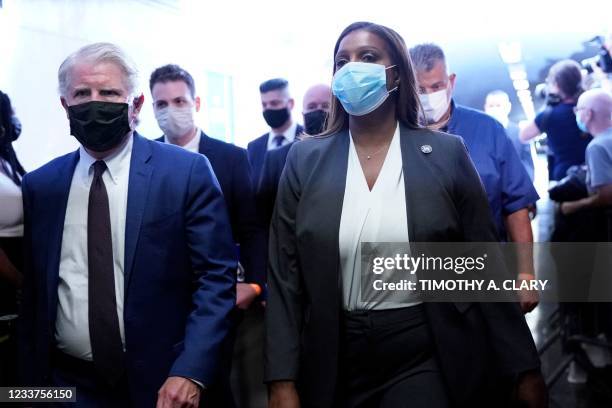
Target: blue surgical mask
361, 87
581, 125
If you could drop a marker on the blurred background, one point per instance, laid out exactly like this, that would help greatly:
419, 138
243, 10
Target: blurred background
231, 46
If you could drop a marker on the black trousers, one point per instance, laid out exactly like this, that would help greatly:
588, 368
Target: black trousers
389, 361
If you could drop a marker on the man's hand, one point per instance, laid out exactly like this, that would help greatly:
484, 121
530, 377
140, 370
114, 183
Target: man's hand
569, 207
245, 294
283, 395
528, 299
531, 390
178, 392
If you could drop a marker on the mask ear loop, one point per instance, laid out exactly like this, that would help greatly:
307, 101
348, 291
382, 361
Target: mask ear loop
397, 82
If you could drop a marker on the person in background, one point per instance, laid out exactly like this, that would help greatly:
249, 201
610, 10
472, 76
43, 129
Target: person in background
565, 140
594, 115
510, 192
277, 104
131, 269
11, 238
315, 108
497, 104
590, 220
375, 175
175, 104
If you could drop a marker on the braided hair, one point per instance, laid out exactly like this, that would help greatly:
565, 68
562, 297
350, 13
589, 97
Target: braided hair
14, 170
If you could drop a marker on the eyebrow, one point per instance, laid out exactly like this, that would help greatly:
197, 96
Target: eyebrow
117, 90
362, 48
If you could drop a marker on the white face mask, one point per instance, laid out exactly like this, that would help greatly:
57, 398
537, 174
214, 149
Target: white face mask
435, 105
175, 122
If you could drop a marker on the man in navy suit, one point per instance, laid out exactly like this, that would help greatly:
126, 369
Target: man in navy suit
175, 104
130, 277
277, 105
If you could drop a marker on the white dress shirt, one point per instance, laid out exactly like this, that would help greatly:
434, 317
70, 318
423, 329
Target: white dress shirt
193, 145
72, 324
11, 210
289, 136
378, 215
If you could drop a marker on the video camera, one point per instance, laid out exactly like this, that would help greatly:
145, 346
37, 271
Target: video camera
541, 92
603, 60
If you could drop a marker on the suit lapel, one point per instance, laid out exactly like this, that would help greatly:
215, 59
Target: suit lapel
138, 189
332, 180
204, 147
411, 157
57, 205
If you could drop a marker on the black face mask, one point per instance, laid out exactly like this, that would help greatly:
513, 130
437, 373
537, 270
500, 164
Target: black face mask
99, 126
314, 122
16, 128
275, 118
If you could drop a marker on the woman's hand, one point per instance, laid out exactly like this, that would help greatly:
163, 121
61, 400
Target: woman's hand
283, 395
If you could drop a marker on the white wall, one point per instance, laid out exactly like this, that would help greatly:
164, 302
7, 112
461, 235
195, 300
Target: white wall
249, 41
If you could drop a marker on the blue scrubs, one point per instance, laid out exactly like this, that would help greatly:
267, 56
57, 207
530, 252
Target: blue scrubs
505, 180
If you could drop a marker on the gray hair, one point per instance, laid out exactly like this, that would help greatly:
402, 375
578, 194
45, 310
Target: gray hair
425, 56
97, 53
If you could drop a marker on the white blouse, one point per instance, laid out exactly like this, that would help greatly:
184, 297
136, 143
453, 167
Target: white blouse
378, 215
11, 206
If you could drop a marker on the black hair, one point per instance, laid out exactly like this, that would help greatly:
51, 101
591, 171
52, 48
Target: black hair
172, 72
407, 105
7, 153
273, 84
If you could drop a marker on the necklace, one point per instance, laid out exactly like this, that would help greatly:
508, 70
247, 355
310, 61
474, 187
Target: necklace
369, 156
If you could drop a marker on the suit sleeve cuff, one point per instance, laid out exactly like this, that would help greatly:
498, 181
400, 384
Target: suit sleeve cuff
198, 383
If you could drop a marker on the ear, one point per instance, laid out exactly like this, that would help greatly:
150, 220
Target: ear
64, 105
396, 76
197, 103
291, 103
137, 105
451, 81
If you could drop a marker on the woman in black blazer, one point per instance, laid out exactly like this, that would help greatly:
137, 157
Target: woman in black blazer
324, 350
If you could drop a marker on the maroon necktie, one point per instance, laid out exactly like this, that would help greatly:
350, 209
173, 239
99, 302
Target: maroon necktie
106, 345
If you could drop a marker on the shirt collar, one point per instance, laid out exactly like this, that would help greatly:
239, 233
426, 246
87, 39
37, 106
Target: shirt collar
607, 132
289, 133
115, 163
193, 145
451, 121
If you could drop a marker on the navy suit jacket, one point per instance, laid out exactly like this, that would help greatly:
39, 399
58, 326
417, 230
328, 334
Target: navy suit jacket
257, 150
231, 166
180, 267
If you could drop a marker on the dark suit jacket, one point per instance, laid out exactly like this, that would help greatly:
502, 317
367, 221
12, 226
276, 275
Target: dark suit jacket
445, 202
180, 267
273, 166
231, 166
257, 150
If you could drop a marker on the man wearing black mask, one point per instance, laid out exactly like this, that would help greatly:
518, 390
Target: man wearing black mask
316, 104
315, 108
131, 265
277, 105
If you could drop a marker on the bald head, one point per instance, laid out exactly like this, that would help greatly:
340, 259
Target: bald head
594, 108
317, 97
